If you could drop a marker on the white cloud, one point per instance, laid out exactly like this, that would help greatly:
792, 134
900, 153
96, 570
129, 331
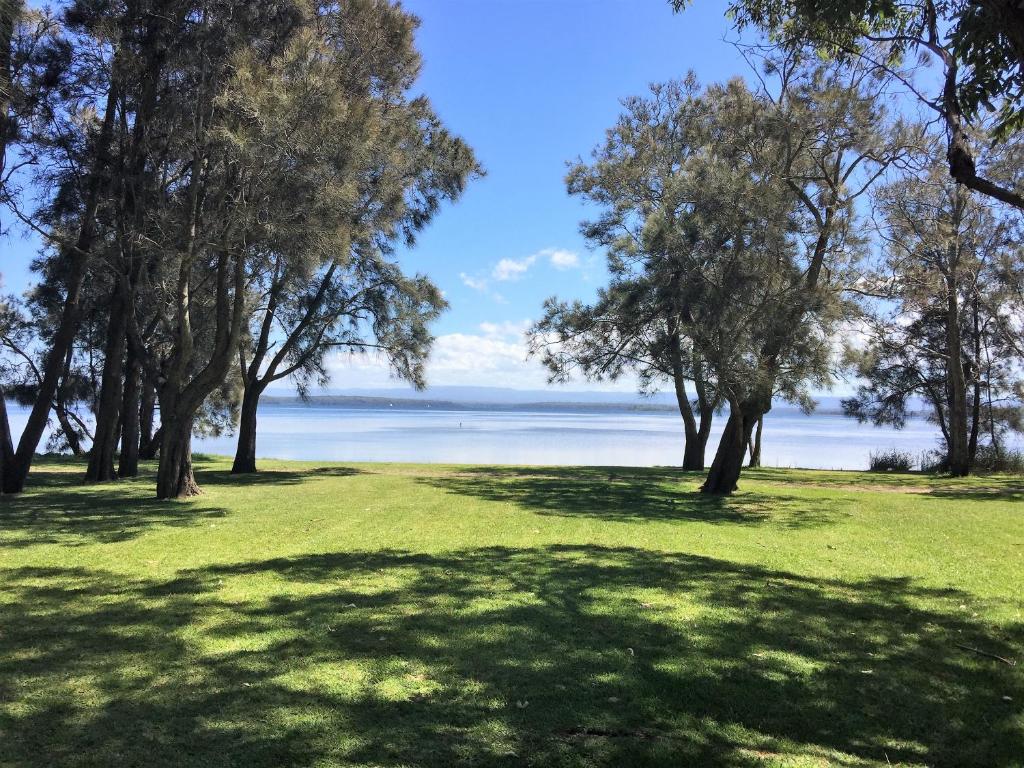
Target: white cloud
512, 269
507, 270
494, 356
476, 283
561, 258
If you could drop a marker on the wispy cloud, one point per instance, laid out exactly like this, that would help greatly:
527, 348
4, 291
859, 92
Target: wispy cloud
476, 283
512, 269
508, 270
561, 258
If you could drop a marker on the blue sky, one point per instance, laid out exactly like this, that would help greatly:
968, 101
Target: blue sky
530, 84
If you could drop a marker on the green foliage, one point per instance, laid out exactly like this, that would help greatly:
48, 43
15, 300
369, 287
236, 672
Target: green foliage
987, 40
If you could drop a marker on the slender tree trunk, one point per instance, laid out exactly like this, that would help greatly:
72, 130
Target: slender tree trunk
693, 451
60, 406
174, 476
130, 407
148, 442
78, 257
956, 384
104, 444
755, 444
725, 470
245, 454
6, 444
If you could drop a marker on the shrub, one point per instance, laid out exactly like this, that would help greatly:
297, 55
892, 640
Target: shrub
1008, 460
933, 462
890, 461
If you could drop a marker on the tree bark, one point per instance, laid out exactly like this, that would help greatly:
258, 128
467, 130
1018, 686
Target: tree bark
105, 439
6, 444
78, 255
245, 454
175, 478
148, 442
60, 406
725, 470
956, 383
128, 465
755, 444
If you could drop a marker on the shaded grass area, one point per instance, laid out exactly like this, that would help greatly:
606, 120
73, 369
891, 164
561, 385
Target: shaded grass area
394, 615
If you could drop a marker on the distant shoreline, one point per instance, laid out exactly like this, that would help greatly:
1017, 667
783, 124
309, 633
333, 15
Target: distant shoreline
364, 402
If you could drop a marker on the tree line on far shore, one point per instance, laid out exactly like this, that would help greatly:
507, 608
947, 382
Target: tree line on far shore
220, 186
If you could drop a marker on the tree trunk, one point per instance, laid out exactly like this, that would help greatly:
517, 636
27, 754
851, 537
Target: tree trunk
104, 444
130, 407
755, 445
725, 470
148, 442
6, 444
693, 451
956, 384
174, 479
78, 256
245, 454
60, 406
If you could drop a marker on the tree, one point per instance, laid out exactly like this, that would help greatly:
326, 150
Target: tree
979, 47
632, 327
377, 307
708, 197
281, 156
936, 333
327, 281
69, 124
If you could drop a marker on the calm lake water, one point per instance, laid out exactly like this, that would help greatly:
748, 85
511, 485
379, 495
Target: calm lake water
628, 438
525, 437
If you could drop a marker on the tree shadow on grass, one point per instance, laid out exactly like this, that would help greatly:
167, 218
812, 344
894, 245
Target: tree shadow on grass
57, 509
631, 494
558, 655
223, 477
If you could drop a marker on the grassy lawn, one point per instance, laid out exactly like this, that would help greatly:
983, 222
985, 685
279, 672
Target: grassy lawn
400, 615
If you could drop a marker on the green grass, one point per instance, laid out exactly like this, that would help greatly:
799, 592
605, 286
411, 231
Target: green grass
400, 615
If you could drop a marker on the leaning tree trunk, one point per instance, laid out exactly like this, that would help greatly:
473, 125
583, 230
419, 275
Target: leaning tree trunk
755, 445
129, 462
6, 444
148, 442
78, 256
175, 478
725, 470
108, 415
245, 454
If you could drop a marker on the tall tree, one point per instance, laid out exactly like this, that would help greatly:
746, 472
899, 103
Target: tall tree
930, 327
633, 327
328, 281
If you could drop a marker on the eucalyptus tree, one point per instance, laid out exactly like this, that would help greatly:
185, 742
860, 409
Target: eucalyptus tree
635, 323
284, 123
329, 281
632, 327
934, 329
828, 137
979, 48
67, 139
